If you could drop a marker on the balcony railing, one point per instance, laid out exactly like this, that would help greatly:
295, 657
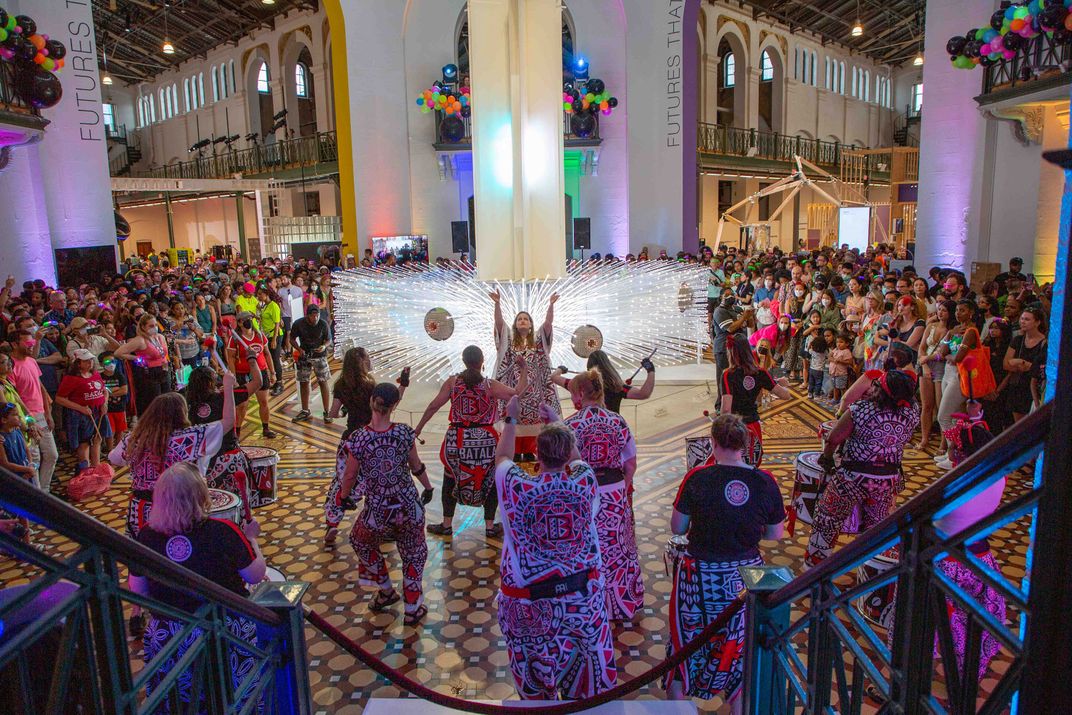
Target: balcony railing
64, 643
722, 140
465, 143
811, 649
277, 156
9, 100
1042, 60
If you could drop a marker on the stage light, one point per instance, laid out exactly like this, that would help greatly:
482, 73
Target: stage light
450, 73
580, 68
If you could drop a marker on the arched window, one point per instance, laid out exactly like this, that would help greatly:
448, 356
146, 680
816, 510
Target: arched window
841, 77
262, 79
814, 65
300, 87
152, 109
215, 85
729, 69
855, 83
766, 67
867, 85
201, 89
223, 81
829, 75
234, 85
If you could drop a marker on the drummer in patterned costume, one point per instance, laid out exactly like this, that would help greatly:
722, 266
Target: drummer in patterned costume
535, 348
552, 607
468, 451
607, 445
162, 437
726, 507
872, 436
382, 458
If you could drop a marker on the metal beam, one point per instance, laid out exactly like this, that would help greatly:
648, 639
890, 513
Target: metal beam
122, 183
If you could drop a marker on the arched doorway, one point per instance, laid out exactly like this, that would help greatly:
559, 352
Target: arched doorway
259, 98
771, 90
305, 93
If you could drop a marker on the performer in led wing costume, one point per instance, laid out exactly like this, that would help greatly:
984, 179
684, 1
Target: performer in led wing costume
552, 608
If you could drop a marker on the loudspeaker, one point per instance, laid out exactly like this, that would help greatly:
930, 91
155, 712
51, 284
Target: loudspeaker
459, 236
582, 234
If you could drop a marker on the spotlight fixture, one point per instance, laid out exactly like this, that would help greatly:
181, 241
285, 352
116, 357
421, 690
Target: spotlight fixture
580, 68
857, 29
450, 73
918, 61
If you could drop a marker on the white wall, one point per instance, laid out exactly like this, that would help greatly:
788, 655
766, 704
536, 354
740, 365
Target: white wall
198, 224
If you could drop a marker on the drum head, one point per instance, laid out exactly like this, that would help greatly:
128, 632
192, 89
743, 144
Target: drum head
439, 324
222, 500
586, 340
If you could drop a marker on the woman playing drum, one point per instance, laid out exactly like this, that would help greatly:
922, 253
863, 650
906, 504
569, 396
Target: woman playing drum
742, 384
468, 451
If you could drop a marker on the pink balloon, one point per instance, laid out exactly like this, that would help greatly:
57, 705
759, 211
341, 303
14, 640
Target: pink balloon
1009, 54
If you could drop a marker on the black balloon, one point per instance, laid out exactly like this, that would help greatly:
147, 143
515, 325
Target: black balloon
956, 45
1061, 36
29, 27
23, 48
56, 49
452, 128
38, 87
986, 61
1053, 16
583, 125
3, 17
466, 110
596, 86
612, 102
1012, 41
568, 88
997, 19
578, 106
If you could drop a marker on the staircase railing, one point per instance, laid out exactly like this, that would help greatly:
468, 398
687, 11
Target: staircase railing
64, 642
811, 649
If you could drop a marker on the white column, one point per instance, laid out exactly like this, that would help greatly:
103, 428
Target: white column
952, 143
515, 56
74, 154
24, 242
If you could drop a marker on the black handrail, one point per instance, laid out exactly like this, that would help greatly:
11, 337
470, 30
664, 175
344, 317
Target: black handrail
20, 496
1015, 443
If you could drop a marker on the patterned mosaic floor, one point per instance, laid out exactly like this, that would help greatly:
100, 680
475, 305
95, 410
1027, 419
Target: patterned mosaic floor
458, 649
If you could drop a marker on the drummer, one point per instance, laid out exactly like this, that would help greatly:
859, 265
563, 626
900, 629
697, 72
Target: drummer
742, 385
468, 450
726, 507
872, 435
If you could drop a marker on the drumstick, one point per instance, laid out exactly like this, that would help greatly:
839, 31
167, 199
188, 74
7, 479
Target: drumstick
649, 357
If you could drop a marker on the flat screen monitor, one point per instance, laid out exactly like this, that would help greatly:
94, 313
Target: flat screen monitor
854, 227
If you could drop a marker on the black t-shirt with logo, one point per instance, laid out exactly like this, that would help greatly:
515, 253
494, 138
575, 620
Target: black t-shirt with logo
214, 548
729, 508
114, 382
745, 390
212, 411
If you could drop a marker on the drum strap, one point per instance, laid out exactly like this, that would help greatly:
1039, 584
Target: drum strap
889, 469
552, 587
605, 476
467, 425
143, 494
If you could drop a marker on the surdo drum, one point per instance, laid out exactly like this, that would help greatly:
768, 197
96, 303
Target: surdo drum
262, 484
225, 505
878, 605
807, 487
697, 451
825, 429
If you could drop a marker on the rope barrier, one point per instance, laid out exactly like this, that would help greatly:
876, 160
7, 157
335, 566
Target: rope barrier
575, 706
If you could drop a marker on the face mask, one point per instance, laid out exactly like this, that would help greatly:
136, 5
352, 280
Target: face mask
153, 331
247, 324
763, 351
826, 302
798, 293
29, 344
729, 300
769, 284
783, 327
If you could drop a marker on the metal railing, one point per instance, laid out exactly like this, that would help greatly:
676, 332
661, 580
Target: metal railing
9, 100
810, 649
719, 139
267, 158
571, 139
1042, 57
64, 648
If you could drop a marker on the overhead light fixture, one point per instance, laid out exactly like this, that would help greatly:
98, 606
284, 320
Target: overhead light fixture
106, 80
167, 48
858, 28
267, 2
918, 61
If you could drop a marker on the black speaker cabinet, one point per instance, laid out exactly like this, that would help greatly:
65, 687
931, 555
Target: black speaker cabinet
459, 236
582, 234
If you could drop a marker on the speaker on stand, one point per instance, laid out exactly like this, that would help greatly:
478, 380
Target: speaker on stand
459, 236
582, 235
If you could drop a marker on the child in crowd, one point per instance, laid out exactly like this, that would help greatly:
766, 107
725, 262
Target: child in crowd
116, 381
840, 361
817, 357
83, 393
15, 458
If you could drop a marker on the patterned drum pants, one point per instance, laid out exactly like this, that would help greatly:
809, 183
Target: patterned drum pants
412, 548
559, 647
843, 492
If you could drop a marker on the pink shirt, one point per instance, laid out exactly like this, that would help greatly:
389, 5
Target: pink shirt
26, 374
839, 368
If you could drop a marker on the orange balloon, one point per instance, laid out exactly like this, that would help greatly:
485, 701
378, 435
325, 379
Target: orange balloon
584, 103
604, 104
450, 99
39, 59
37, 41
1068, 23
1016, 25
457, 106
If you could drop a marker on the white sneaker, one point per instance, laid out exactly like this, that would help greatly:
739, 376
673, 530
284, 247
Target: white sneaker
945, 464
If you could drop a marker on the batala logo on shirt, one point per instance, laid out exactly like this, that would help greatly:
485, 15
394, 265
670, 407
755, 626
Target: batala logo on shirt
737, 492
749, 382
179, 548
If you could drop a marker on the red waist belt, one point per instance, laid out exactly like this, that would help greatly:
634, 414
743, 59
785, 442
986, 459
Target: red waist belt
552, 587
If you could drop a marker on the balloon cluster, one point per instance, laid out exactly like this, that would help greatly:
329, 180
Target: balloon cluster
35, 57
444, 98
1011, 26
591, 96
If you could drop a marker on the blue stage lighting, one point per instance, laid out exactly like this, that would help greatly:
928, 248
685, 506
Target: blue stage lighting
580, 68
450, 73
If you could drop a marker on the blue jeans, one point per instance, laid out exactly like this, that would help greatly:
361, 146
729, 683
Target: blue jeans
815, 381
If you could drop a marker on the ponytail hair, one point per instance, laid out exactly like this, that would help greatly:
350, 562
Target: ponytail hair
473, 359
589, 384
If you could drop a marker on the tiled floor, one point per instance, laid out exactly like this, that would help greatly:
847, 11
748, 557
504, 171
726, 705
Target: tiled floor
458, 649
